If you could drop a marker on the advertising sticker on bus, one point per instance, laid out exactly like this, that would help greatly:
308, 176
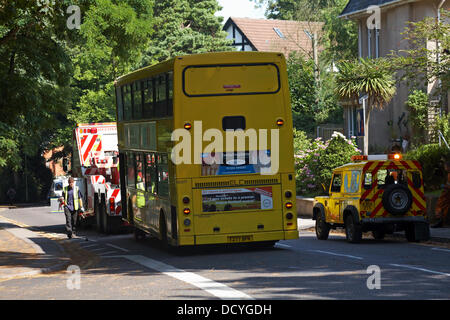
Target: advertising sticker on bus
237, 199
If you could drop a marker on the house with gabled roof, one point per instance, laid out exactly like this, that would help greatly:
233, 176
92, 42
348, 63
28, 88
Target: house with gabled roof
272, 35
381, 24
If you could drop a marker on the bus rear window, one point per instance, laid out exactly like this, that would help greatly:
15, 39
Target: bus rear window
221, 80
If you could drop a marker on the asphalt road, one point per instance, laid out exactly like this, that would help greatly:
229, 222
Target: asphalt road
118, 267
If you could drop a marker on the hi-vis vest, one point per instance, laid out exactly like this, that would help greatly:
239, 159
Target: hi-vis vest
140, 196
76, 200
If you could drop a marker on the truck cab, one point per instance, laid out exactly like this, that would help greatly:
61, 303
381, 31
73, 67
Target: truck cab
378, 193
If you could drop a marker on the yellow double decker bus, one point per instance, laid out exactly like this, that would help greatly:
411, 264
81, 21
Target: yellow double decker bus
206, 149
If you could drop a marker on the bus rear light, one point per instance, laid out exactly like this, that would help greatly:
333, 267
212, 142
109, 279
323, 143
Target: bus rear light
187, 230
187, 211
289, 215
289, 205
280, 122
288, 194
185, 200
187, 222
187, 126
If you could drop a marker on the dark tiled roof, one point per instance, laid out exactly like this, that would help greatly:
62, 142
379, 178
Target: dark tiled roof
358, 5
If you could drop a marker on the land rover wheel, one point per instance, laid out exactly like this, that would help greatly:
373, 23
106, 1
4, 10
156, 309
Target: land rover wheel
397, 199
378, 234
410, 233
353, 230
322, 228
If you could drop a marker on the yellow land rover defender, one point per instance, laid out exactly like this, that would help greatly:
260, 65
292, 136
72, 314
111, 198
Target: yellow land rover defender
378, 193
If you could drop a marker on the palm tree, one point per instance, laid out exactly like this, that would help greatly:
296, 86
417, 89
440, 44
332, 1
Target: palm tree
366, 76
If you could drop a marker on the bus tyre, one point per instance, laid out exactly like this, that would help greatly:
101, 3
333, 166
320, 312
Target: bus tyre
353, 230
98, 215
322, 228
163, 231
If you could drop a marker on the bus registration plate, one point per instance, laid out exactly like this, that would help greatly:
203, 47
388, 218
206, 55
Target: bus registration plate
235, 239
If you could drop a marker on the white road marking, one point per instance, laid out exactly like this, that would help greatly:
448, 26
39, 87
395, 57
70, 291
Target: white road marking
440, 249
117, 247
99, 249
420, 269
105, 253
89, 245
338, 254
282, 245
215, 288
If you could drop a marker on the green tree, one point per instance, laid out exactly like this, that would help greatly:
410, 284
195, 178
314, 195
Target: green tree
371, 77
426, 62
35, 74
418, 104
312, 104
339, 37
111, 41
185, 27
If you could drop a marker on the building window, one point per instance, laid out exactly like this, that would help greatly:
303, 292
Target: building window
279, 33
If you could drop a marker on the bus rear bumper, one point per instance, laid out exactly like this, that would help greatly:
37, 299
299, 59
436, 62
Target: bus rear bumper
238, 237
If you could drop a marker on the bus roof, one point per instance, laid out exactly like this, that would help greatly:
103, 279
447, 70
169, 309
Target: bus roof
204, 58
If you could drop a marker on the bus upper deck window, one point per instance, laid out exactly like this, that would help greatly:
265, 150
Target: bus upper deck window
149, 101
127, 110
161, 97
137, 100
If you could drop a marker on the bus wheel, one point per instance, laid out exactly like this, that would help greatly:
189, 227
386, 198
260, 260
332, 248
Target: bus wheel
163, 231
98, 215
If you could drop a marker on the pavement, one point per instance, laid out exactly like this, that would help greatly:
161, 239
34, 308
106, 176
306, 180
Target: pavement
26, 251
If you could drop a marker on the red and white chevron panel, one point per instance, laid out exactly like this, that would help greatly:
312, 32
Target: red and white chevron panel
89, 143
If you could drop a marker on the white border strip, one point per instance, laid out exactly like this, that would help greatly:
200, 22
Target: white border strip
215, 288
420, 269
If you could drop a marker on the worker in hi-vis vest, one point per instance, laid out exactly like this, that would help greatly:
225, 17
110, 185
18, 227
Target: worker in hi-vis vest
140, 186
73, 204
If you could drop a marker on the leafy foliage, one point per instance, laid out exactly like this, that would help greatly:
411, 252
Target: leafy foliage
420, 63
339, 38
311, 104
373, 77
185, 27
316, 159
418, 104
431, 158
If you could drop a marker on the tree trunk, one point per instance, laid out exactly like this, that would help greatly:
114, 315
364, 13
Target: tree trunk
366, 128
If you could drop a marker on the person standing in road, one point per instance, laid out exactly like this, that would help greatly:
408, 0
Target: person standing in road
443, 203
11, 195
73, 204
